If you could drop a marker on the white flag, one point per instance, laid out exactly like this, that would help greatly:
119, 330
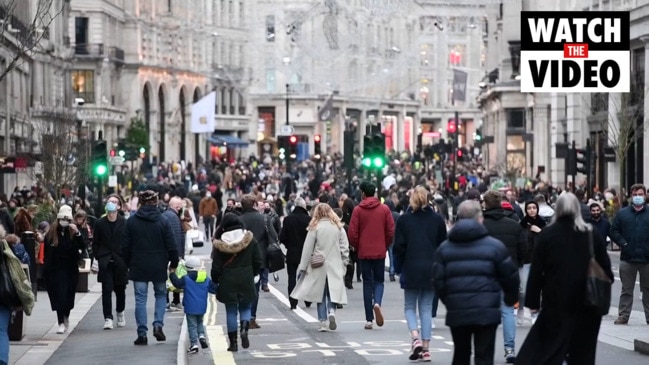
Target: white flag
204, 113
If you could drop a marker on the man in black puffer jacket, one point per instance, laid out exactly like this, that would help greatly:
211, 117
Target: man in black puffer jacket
509, 232
471, 272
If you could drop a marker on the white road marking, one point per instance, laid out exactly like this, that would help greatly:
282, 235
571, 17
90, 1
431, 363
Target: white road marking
301, 313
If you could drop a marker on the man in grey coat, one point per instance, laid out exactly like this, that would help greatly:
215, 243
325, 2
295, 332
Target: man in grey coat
255, 222
173, 216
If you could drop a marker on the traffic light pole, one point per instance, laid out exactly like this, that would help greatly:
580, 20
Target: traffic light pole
288, 158
454, 148
100, 196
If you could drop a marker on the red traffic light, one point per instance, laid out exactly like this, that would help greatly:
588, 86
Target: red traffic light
113, 153
451, 127
459, 153
316, 138
293, 139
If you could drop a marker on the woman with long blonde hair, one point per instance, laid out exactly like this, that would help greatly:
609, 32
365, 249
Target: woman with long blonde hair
326, 242
417, 235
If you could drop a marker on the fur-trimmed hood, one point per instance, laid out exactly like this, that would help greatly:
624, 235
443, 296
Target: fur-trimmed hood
233, 241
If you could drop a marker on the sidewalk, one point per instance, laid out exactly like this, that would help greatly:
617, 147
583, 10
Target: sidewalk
87, 342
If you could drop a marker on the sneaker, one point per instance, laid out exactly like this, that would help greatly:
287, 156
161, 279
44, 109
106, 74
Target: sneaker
433, 324
519, 321
141, 340
332, 322
203, 341
425, 356
177, 307
415, 350
61, 329
323, 326
108, 324
378, 315
510, 356
621, 320
121, 322
193, 349
368, 325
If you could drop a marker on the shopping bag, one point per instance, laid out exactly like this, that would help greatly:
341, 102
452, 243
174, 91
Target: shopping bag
197, 237
181, 271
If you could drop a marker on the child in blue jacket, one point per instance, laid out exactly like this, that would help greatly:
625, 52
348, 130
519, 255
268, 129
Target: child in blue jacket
195, 287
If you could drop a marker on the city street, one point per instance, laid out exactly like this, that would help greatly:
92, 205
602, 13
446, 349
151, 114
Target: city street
292, 336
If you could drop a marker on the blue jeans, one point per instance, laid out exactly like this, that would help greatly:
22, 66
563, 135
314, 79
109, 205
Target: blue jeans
263, 276
5, 317
255, 302
391, 256
231, 312
509, 326
195, 327
524, 273
423, 298
373, 272
141, 289
435, 304
326, 305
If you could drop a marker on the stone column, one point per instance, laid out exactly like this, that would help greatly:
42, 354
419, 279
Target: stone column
362, 122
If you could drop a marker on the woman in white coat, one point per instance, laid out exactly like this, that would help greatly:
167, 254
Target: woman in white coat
324, 285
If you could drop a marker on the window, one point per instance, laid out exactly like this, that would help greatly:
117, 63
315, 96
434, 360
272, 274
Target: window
224, 101
83, 85
598, 103
242, 104
232, 94
81, 35
242, 15
169, 6
515, 118
270, 28
456, 56
270, 80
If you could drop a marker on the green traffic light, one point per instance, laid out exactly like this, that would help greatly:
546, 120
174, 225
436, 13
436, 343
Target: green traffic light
477, 137
121, 153
100, 170
378, 162
367, 162
142, 150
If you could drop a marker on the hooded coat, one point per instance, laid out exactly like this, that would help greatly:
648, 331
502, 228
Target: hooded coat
527, 222
331, 241
371, 229
236, 262
148, 245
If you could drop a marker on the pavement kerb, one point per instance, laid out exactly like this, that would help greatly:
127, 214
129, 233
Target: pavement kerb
181, 351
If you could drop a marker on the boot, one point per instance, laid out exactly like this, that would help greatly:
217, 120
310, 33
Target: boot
245, 342
233, 341
253, 324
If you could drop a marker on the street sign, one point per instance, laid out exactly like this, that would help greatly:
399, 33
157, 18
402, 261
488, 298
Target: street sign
116, 160
286, 130
112, 181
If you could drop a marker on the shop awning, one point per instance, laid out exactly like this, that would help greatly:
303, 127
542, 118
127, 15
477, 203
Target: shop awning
225, 140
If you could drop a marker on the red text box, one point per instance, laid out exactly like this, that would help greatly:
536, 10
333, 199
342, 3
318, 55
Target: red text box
575, 50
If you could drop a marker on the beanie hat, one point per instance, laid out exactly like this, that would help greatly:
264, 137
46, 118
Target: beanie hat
231, 222
148, 196
65, 212
192, 262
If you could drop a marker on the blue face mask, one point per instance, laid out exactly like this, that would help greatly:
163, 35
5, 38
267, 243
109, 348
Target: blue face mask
111, 207
638, 200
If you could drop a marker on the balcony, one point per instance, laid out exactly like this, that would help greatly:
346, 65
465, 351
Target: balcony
97, 50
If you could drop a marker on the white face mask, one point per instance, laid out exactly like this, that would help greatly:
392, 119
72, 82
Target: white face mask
209, 195
64, 223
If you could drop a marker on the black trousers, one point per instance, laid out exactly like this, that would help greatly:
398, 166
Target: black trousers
107, 288
484, 342
291, 271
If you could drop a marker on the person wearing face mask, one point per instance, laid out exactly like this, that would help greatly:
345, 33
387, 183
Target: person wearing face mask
630, 230
63, 245
533, 223
173, 215
106, 246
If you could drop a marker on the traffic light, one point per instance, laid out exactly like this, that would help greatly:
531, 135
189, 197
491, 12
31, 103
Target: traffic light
374, 151
478, 135
142, 152
99, 159
316, 146
581, 160
460, 154
113, 152
451, 127
292, 147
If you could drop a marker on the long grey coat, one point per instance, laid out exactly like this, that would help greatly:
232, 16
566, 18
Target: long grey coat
330, 241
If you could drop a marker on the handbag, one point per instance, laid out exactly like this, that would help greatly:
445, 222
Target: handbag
317, 259
8, 294
197, 237
598, 284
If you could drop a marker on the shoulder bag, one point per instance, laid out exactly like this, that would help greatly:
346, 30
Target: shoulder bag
598, 284
317, 258
8, 293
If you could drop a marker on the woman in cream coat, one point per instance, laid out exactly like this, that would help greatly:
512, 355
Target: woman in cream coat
324, 285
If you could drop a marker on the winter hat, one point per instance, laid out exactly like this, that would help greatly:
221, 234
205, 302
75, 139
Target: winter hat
65, 212
192, 262
231, 222
148, 196
43, 226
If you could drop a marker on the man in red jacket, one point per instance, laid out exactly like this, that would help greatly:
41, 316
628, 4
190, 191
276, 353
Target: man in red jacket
370, 232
